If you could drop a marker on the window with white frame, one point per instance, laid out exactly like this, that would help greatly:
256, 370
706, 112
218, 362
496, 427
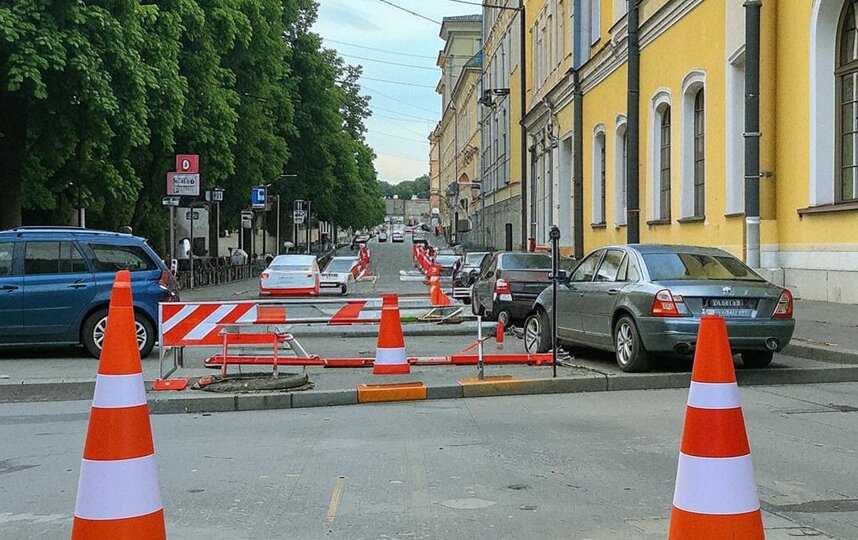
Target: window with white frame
599, 181
620, 178
693, 177
846, 145
595, 20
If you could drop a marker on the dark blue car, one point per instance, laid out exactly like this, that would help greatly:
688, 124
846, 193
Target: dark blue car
55, 285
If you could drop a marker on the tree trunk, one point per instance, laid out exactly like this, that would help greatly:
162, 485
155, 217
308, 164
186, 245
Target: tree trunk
13, 151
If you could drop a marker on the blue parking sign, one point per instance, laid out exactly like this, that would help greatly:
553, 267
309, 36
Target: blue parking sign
257, 197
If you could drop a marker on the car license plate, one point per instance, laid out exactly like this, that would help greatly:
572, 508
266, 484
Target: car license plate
728, 313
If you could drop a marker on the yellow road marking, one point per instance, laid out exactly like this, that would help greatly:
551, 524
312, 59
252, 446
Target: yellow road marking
336, 495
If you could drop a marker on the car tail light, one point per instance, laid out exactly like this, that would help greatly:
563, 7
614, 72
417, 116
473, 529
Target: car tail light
503, 291
666, 304
309, 275
264, 275
167, 281
785, 305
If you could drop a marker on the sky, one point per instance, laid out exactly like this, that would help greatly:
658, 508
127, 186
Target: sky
376, 35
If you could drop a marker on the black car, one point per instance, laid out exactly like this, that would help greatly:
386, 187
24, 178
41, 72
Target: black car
359, 240
461, 279
508, 283
449, 263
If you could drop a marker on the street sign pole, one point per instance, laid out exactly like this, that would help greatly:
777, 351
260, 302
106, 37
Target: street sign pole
554, 234
277, 251
192, 247
309, 203
172, 238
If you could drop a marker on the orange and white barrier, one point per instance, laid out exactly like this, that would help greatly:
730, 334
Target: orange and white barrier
436, 295
499, 335
118, 495
716, 494
390, 356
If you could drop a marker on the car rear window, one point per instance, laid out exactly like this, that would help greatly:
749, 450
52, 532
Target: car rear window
340, 266
696, 266
114, 257
447, 260
526, 261
290, 268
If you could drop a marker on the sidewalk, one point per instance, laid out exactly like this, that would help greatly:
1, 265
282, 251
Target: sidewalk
825, 331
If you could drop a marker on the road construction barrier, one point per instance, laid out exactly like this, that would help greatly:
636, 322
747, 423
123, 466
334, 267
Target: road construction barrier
716, 494
201, 324
118, 494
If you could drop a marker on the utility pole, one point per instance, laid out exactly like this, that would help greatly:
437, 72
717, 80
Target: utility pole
522, 70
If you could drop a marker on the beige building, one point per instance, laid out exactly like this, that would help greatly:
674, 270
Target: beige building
458, 133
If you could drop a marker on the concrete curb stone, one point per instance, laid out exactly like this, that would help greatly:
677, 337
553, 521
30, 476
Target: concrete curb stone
821, 353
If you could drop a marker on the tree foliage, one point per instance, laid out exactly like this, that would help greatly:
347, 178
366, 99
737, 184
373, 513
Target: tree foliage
96, 98
405, 190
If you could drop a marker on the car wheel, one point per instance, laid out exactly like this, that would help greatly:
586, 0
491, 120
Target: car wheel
537, 338
630, 352
93, 331
757, 359
504, 318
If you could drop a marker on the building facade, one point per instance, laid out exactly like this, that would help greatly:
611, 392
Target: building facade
458, 132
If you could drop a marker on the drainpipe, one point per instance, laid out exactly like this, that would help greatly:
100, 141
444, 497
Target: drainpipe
633, 212
523, 106
752, 132
578, 169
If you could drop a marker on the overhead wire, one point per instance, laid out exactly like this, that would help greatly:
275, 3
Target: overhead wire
380, 50
406, 10
425, 141
423, 118
388, 96
388, 62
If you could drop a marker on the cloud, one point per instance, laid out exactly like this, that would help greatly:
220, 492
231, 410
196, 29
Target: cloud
347, 17
395, 169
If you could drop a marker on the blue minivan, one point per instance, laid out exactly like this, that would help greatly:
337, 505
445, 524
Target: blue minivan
55, 285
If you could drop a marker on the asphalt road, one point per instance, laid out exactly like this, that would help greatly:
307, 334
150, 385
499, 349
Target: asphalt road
585, 466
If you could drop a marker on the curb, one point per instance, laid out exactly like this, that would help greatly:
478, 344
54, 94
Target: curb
204, 402
821, 353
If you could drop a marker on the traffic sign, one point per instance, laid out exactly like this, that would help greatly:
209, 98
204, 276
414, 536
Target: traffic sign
183, 184
246, 219
298, 205
188, 163
170, 201
257, 197
298, 217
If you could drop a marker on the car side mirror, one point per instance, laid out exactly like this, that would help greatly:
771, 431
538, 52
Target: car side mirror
561, 276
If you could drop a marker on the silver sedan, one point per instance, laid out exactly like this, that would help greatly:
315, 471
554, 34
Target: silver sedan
640, 300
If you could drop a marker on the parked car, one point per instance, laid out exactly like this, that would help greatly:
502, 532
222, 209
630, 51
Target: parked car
507, 285
55, 285
471, 263
420, 240
382, 237
397, 237
449, 262
291, 275
359, 240
339, 273
641, 300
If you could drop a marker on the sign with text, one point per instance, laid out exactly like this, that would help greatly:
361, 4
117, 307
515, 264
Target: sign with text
188, 163
183, 184
298, 217
257, 197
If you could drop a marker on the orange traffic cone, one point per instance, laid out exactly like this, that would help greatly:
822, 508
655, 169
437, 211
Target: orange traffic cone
390, 354
716, 494
436, 295
118, 494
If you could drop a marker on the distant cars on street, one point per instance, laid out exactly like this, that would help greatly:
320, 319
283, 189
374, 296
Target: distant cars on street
339, 273
641, 300
382, 237
507, 284
55, 285
359, 240
291, 275
449, 263
397, 237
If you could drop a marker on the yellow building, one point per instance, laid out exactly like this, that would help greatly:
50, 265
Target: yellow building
457, 135
692, 136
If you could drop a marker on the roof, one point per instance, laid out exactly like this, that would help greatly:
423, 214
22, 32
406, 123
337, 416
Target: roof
295, 259
673, 248
62, 231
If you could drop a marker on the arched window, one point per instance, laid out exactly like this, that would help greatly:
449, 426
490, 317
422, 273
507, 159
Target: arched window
599, 206
664, 165
620, 186
699, 156
846, 148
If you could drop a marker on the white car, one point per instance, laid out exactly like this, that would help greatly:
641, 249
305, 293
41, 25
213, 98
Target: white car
340, 272
397, 237
290, 275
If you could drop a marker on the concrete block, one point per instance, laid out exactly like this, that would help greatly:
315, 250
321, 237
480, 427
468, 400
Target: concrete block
192, 403
453, 391
762, 377
843, 287
324, 398
821, 353
807, 284
62, 391
256, 402
648, 381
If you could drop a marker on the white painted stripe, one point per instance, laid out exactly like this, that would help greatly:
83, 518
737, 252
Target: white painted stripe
114, 391
180, 316
716, 485
248, 317
390, 356
118, 489
713, 395
210, 323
